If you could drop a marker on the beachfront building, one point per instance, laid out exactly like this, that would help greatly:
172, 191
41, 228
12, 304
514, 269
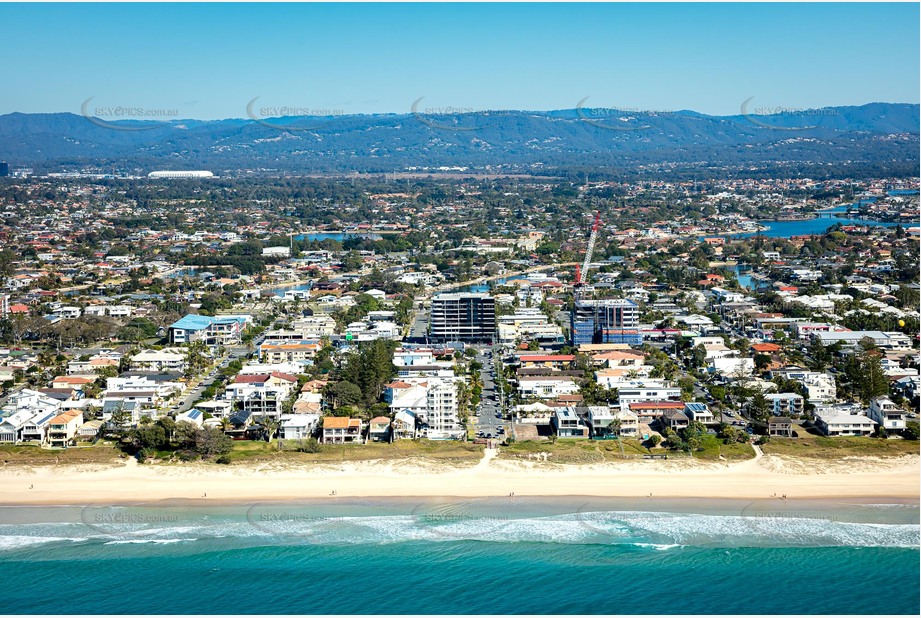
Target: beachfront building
430, 401
567, 424
379, 429
11, 427
63, 428
605, 422
341, 430
193, 416
889, 415
835, 422
404, 425
297, 426
26, 416
780, 426
261, 394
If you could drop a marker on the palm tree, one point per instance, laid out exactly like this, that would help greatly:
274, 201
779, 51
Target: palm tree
225, 424
269, 428
614, 427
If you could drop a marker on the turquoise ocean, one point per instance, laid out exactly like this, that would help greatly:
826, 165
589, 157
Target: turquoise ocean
455, 556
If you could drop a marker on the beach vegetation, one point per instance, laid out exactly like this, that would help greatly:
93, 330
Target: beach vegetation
808, 445
211, 441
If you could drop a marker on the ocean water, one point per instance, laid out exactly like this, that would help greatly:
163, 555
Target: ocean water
819, 225
505, 556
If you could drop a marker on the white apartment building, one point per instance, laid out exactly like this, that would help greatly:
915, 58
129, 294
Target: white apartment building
546, 387
167, 359
833, 422
885, 412
646, 390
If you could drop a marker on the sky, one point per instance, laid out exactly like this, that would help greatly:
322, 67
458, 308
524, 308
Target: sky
212, 61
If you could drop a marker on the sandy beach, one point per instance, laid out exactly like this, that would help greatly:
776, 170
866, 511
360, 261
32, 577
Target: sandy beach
762, 477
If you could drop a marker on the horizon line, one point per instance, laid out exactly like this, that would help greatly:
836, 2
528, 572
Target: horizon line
465, 112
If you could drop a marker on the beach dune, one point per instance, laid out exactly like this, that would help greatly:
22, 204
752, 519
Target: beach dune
768, 476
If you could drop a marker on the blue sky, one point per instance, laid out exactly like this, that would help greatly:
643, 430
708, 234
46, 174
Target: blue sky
210, 60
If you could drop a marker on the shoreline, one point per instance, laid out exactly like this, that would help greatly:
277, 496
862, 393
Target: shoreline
764, 478
712, 503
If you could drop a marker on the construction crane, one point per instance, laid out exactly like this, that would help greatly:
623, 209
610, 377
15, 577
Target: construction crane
580, 272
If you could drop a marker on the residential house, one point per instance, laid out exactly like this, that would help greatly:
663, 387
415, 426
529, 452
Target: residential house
71, 382
404, 425
341, 430
63, 428
699, 412
833, 422
297, 426
780, 426
675, 420
602, 420
379, 429
546, 387
649, 411
567, 424
11, 427
885, 412
193, 416
645, 391
36, 428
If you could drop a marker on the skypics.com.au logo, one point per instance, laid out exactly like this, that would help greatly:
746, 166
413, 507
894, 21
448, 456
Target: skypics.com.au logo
776, 117
453, 118
291, 118
127, 117
619, 118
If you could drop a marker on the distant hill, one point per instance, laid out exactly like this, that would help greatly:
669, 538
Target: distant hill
878, 137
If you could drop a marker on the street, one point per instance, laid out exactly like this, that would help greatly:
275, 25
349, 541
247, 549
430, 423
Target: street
488, 424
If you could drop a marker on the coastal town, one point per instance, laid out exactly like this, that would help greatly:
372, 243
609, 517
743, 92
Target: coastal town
178, 318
